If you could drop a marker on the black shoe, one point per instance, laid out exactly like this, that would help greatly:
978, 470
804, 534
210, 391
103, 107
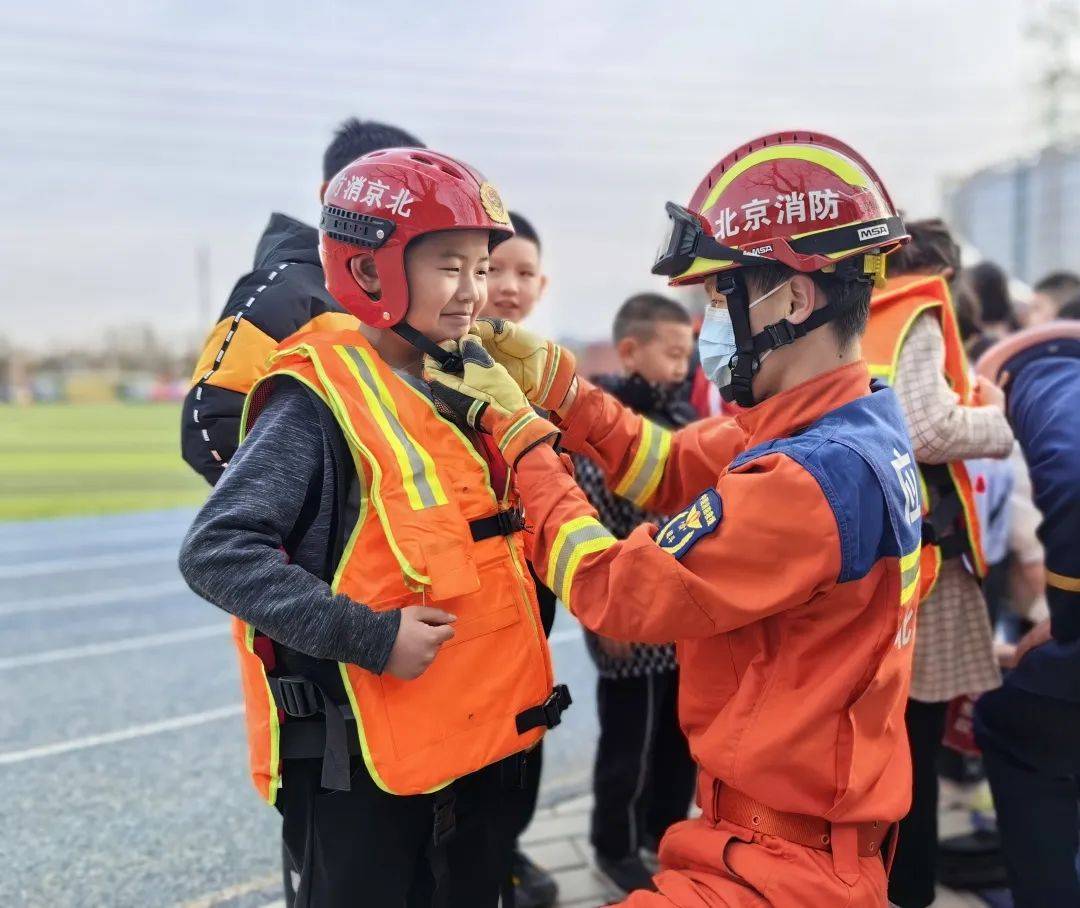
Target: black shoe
628, 873
534, 887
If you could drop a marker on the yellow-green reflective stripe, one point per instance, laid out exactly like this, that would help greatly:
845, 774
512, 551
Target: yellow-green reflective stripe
275, 728
824, 157
515, 427
330, 394
641, 479
421, 484
576, 539
909, 575
651, 475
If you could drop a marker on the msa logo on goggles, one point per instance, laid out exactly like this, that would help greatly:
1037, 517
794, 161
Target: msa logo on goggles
760, 250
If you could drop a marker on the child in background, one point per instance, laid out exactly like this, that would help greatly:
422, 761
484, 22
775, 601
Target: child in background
515, 282
643, 779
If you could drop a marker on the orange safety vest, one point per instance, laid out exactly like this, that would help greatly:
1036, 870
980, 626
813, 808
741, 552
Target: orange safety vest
422, 483
893, 311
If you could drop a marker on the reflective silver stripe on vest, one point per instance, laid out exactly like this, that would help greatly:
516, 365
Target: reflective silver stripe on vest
416, 462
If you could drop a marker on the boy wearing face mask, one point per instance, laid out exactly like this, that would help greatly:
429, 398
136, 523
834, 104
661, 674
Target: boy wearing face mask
643, 777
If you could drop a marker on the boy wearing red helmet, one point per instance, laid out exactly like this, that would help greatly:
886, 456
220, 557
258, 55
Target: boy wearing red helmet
369, 546
790, 578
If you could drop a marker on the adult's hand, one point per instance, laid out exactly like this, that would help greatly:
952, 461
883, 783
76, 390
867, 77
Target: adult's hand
987, 394
1037, 636
422, 631
487, 398
542, 369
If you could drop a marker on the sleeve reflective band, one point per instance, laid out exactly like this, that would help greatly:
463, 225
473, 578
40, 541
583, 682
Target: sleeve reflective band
641, 479
551, 370
576, 539
909, 575
514, 428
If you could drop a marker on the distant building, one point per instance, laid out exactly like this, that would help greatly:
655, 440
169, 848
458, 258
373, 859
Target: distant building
1024, 214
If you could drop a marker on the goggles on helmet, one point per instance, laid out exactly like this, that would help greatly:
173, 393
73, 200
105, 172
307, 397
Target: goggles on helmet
688, 238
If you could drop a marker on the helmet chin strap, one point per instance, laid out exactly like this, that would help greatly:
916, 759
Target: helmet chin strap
752, 348
448, 360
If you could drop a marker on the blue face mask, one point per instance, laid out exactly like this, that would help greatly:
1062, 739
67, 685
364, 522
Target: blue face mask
717, 344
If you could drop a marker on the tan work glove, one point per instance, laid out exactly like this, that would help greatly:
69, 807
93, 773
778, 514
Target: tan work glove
542, 369
485, 397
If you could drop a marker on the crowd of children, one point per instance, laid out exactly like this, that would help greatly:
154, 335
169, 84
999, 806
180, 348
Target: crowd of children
391, 540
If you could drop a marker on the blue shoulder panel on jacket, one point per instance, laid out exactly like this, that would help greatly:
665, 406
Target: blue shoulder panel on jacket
860, 456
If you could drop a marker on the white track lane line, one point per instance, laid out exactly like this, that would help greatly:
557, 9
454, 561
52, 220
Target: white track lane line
172, 533
98, 597
123, 734
233, 892
88, 563
108, 647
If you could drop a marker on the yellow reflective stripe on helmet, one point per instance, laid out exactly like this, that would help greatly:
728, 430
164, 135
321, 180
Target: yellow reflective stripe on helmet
825, 157
422, 486
703, 266
576, 538
910, 566
643, 476
1063, 582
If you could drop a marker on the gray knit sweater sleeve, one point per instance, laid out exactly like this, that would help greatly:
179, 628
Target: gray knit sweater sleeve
233, 555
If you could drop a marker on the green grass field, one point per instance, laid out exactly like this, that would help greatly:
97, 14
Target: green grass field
66, 459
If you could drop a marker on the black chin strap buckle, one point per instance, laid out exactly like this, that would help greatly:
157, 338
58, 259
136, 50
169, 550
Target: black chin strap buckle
781, 334
453, 363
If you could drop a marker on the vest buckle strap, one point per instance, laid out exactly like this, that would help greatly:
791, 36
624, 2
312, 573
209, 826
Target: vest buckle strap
296, 695
301, 698
505, 523
548, 714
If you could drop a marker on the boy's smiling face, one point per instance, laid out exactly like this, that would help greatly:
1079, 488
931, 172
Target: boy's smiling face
447, 275
515, 281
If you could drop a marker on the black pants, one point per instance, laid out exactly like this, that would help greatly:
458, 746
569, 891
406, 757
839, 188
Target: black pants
522, 804
1031, 750
367, 847
644, 777
914, 872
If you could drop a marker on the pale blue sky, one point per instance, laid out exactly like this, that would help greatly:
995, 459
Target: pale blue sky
136, 131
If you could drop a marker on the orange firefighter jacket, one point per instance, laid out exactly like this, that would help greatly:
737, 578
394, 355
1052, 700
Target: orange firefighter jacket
789, 581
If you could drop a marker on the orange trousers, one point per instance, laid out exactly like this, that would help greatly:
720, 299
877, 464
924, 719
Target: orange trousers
727, 866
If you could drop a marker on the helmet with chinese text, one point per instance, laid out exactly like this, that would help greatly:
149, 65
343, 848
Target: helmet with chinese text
381, 202
803, 199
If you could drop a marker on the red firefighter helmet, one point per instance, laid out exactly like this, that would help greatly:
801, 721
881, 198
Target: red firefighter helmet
800, 198
380, 203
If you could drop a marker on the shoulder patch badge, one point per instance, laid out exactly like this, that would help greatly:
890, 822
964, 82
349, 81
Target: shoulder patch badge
682, 532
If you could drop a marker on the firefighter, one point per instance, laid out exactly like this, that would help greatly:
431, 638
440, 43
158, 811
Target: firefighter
791, 574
